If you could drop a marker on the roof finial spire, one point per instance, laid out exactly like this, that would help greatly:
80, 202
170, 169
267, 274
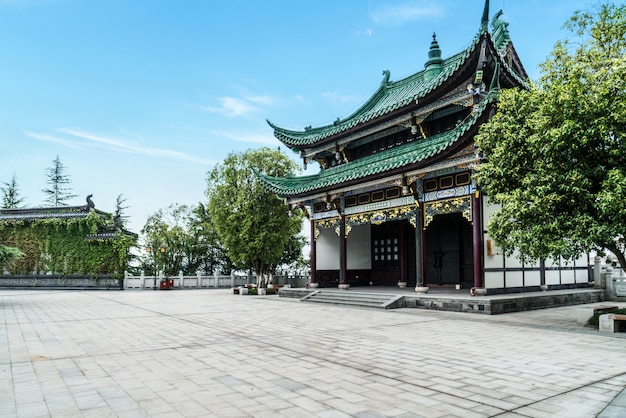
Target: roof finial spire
434, 64
484, 22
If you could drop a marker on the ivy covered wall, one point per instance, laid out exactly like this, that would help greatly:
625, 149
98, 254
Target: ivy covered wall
60, 246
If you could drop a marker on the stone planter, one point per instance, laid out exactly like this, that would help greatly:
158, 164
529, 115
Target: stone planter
344, 286
402, 285
261, 291
314, 285
480, 291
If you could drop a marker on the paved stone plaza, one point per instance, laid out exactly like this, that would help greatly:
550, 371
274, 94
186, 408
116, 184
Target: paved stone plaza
202, 353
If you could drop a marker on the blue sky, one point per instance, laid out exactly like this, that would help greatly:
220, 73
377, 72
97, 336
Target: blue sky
142, 97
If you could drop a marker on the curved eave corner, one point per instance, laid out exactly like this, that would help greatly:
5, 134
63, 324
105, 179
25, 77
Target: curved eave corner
501, 40
285, 186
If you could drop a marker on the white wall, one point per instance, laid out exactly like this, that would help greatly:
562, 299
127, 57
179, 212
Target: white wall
497, 279
327, 250
359, 248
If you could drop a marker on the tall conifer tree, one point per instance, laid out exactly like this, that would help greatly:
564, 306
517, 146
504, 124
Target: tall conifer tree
10, 195
58, 194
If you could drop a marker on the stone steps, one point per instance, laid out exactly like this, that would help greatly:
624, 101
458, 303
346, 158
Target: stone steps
345, 297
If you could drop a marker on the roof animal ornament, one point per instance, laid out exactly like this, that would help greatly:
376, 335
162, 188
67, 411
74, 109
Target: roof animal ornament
496, 22
386, 75
90, 205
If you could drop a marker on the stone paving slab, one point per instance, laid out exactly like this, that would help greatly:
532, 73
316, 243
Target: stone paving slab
209, 353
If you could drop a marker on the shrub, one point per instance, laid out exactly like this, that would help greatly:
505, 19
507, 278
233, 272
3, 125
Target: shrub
594, 321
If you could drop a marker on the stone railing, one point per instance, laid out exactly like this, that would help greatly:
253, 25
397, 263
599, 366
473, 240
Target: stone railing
52, 281
614, 283
199, 281
55, 281
612, 280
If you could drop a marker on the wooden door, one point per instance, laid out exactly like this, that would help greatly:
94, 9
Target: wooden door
447, 260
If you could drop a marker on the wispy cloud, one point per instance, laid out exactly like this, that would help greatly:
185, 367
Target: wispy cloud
240, 106
79, 139
55, 139
265, 100
232, 107
409, 11
268, 140
364, 32
335, 97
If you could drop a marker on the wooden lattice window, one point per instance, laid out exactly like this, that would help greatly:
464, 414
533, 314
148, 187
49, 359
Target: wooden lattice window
385, 252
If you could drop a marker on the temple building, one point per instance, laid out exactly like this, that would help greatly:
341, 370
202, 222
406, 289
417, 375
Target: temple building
395, 202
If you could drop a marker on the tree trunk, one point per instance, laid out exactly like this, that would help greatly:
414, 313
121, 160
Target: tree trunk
621, 258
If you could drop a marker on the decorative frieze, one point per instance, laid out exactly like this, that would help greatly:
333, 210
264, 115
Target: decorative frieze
447, 193
461, 205
381, 216
382, 205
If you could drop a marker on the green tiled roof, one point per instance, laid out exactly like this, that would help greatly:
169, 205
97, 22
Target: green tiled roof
389, 96
378, 163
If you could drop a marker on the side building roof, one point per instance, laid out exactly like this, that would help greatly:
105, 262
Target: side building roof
33, 214
63, 212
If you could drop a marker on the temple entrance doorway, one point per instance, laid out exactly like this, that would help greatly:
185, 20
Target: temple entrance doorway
448, 256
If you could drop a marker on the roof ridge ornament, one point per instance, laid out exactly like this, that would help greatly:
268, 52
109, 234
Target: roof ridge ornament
435, 62
484, 22
386, 75
496, 22
500, 32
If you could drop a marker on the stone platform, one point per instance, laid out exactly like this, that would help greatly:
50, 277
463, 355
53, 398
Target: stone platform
455, 300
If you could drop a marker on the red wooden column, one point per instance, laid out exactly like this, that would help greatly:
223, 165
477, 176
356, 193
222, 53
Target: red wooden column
419, 248
422, 233
343, 271
313, 255
402, 254
477, 239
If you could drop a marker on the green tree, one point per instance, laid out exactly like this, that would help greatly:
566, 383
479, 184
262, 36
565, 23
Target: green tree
58, 194
556, 154
206, 253
119, 217
10, 195
292, 257
167, 237
189, 241
254, 225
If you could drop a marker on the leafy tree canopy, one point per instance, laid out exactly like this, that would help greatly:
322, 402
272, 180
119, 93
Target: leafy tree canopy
555, 155
253, 224
207, 254
188, 239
